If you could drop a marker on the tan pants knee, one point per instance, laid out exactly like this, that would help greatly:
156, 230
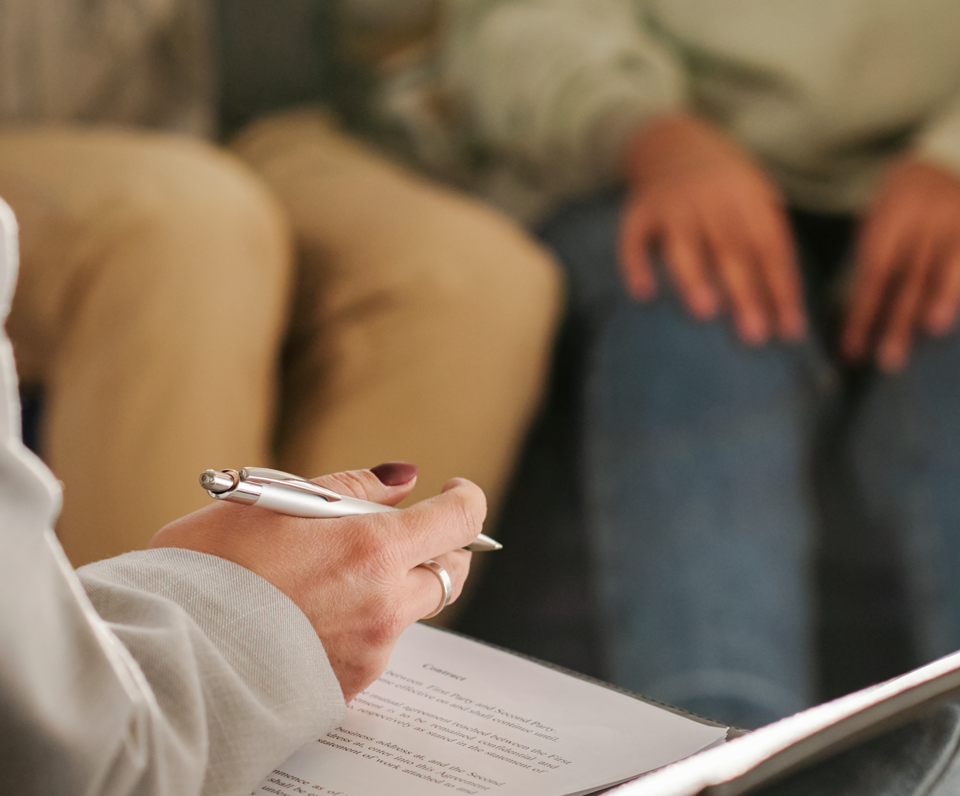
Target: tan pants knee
151, 303
423, 319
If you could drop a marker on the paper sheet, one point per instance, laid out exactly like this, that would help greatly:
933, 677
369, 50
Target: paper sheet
452, 715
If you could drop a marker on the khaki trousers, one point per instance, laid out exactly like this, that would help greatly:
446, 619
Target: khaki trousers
315, 310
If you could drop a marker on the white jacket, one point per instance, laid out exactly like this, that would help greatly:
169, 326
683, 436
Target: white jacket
161, 673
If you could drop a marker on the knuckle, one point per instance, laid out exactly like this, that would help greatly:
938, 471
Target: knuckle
776, 260
459, 569
736, 280
386, 623
468, 515
376, 556
729, 260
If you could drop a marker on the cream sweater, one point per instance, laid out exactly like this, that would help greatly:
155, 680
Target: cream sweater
822, 92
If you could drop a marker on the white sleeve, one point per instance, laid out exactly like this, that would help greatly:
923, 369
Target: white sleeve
939, 140
161, 673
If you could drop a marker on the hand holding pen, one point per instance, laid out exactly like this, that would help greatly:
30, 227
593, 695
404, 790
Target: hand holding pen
284, 493
359, 579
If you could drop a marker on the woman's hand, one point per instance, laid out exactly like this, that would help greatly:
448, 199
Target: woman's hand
719, 224
907, 273
358, 578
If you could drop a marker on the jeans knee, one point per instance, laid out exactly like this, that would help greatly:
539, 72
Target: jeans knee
583, 236
653, 361
654, 355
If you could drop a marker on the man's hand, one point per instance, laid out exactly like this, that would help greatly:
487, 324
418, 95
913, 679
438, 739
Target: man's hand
907, 273
356, 578
720, 226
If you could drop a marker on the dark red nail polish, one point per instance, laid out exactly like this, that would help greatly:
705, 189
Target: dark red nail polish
395, 473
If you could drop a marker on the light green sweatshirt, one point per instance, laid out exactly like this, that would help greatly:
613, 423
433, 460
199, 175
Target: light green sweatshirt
822, 92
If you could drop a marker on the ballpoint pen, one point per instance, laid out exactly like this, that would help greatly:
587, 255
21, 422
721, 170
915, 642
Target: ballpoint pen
290, 494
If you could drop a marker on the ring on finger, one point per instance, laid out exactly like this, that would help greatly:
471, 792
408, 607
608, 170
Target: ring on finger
445, 582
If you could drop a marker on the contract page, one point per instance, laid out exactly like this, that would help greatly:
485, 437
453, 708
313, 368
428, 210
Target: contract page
451, 715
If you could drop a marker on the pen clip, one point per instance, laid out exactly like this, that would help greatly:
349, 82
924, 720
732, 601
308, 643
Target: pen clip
261, 475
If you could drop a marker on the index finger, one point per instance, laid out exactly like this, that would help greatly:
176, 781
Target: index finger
894, 345
736, 268
878, 249
367, 485
633, 239
772, 243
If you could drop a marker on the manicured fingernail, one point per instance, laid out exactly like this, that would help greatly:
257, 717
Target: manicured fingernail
395, 473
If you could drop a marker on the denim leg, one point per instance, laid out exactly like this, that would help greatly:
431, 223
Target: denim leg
905, 446
695, 472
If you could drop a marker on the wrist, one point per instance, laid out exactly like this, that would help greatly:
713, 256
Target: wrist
651, 138
676, 143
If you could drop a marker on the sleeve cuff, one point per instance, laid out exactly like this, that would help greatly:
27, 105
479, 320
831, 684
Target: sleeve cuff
270, 648
939, 143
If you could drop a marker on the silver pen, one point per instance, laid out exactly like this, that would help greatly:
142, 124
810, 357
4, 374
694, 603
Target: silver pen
290, 494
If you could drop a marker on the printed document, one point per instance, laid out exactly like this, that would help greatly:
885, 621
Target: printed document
451, 715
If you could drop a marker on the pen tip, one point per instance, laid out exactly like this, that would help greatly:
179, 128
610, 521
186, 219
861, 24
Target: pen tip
484, 544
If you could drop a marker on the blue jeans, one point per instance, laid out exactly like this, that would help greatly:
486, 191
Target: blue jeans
700, 516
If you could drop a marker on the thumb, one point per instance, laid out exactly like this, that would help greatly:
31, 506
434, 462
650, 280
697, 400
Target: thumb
387, 483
